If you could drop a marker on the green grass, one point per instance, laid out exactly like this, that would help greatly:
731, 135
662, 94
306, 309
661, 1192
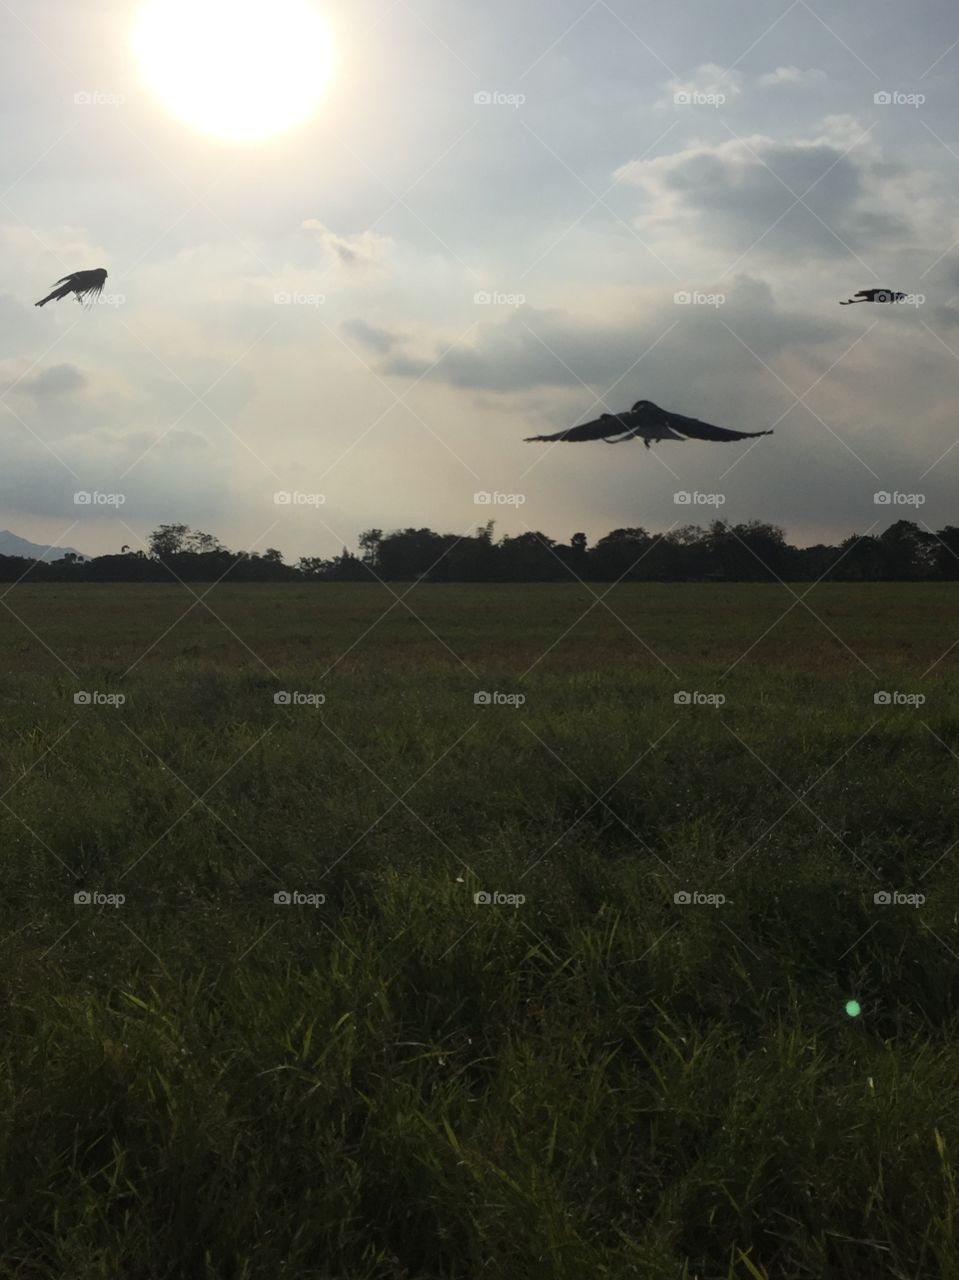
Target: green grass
401, 1084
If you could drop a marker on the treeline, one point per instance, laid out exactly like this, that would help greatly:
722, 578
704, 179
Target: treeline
721, 552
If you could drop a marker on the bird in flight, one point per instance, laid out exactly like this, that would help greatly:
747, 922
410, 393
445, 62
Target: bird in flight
85, 284
647, 422
874, 295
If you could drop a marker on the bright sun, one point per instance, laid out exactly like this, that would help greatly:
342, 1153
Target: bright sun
239, 69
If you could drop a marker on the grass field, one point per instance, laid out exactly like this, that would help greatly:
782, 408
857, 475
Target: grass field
400, 1083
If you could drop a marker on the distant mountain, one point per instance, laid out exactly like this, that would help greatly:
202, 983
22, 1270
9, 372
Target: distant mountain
11, 545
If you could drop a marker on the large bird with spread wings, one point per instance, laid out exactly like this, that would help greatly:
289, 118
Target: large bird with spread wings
647, 422
874, 295
85, 284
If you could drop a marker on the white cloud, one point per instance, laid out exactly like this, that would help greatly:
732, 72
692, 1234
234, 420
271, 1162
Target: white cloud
359, 250
709, 82
741, 194
790, 75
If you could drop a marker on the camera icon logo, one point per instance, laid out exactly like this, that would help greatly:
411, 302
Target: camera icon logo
683, 498
282, 298
283, 698
483, 498
682, 98
682, 298
482, 899
82, 698
882, 898
482, 699
682, 698
82, 498
882, 698
882, 499
882, 98
283, 498
682, 898
483, 98
482, 298
282, 898
82, 898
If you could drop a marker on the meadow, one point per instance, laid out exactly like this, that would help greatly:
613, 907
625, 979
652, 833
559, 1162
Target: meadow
682, 1040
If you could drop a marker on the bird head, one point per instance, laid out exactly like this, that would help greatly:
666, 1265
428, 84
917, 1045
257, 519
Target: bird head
642, 404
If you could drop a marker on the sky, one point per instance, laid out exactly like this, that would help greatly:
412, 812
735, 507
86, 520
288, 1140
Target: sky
498, 221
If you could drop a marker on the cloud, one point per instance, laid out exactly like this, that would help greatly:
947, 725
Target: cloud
358, 250
378, 340
536, 348
709, 82
742, 193
53, 381
790, 75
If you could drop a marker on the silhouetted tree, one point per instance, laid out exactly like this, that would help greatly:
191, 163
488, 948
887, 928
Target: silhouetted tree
909, 551
946, 553
752, 551
169, 540
370, 546
201, 543
615, 556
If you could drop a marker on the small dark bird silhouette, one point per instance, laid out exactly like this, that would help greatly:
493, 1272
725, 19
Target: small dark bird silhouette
647, 422
874, 295
85, 284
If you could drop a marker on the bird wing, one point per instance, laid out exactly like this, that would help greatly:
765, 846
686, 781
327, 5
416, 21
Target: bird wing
90, 279
653, 417
599, 429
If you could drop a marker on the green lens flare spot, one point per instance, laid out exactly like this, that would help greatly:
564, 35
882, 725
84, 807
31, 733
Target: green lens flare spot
853, 1008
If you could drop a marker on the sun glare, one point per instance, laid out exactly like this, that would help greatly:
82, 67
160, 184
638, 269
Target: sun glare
238, 69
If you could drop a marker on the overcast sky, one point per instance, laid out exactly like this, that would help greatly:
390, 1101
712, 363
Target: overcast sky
623, 155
